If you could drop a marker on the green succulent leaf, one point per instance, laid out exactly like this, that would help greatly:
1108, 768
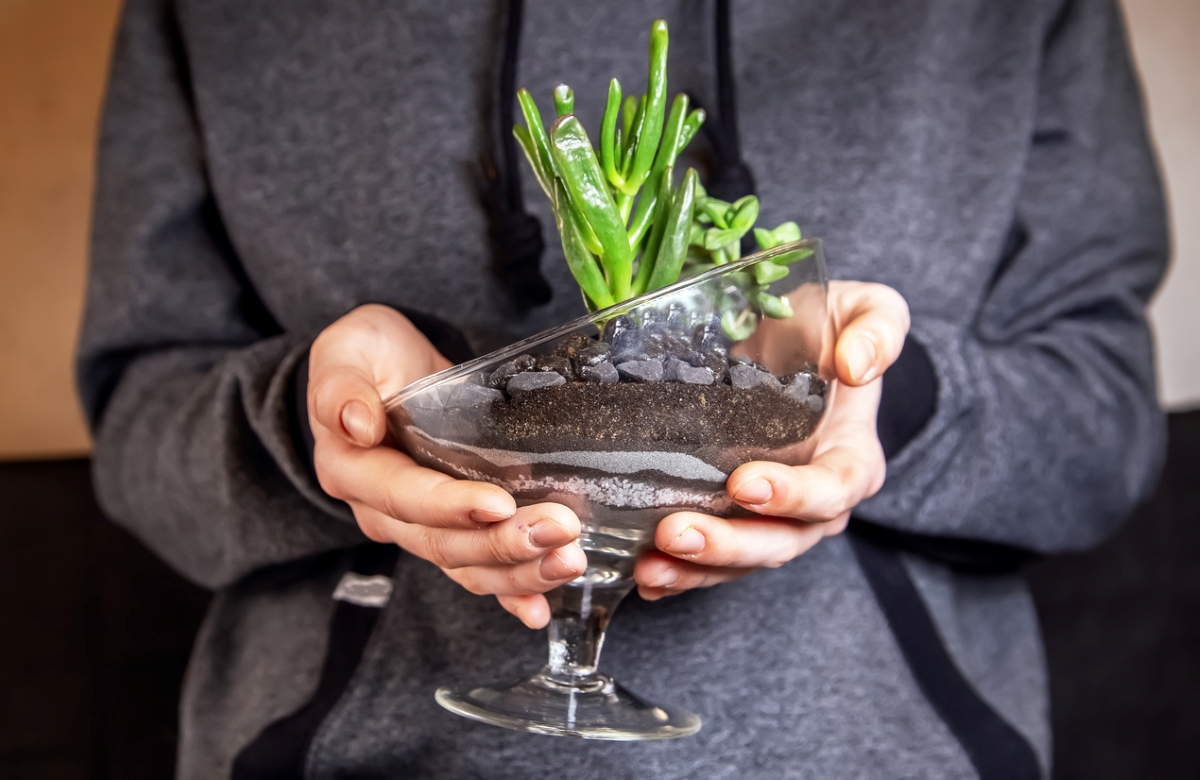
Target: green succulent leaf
717, 238
787, 258
745, 212
673, 248
629, 111
649, 130
525, 141
764, 238
582, 263
537, 131
717, 211
690, 127
767, 272
632, 137
738, 326
564, 100
787, 232
775, 308
610, 142
585, 184
650, 253
665, 159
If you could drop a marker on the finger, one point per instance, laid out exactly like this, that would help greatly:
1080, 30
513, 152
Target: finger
390, 482
872, 320
343, 399
659, 575
525, 579
848, 468
533, 611
739, 543
833, 483
526, 536
363, 357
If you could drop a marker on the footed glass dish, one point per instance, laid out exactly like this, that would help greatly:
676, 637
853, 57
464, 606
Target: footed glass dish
625, 416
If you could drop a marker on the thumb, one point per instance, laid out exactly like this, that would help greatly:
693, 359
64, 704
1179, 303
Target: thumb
876, 322
343, 400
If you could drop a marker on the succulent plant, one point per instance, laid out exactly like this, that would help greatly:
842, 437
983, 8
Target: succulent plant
626, 227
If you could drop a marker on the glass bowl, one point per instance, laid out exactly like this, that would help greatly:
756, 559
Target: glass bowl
625, 416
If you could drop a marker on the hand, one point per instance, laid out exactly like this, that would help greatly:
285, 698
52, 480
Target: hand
472, 530
797, 506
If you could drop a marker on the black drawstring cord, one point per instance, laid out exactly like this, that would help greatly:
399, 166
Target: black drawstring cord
516, 235
732, 178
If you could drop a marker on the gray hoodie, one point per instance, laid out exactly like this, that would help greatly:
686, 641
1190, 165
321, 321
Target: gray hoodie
265, 167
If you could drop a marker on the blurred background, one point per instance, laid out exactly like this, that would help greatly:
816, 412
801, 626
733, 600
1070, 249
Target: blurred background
95, 632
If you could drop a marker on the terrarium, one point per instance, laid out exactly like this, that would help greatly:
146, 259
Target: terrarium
625, 416
693, 361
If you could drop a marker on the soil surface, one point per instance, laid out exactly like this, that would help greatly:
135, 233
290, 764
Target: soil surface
667, 416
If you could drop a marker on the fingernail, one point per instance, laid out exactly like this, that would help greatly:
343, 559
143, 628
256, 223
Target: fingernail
861, 360
489, 515
555, 568
547, 533
356, 419
665, 579
756, 491
689, 542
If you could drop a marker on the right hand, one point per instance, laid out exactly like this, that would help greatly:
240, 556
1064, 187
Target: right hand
473, 531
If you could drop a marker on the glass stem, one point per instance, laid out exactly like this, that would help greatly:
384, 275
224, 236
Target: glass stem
579, 616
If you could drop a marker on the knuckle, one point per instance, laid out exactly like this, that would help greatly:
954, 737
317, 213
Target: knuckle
330, 483
778, 557
435, 549
516, 583
498, 547
392, 505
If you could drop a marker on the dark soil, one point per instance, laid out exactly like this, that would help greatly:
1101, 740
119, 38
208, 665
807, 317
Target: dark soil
667, 416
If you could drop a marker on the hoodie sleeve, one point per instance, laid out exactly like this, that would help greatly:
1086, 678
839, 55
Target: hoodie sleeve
1046, 431
185, 378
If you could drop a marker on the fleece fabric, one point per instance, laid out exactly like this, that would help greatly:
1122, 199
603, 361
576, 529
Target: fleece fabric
265, 167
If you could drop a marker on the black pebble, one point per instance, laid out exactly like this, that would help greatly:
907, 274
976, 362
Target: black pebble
621, 334
534, 380
556, 363
651, 319
678, 371
653, 346
594, 355
641, 370
743, 377
506, 371
676, 318
603, 373
677, 344
797, 386
709, 339
469, 396
572, 345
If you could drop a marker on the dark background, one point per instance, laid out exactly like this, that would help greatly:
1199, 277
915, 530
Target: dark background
95, 634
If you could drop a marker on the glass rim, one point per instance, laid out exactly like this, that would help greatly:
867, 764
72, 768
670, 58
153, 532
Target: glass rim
517, 347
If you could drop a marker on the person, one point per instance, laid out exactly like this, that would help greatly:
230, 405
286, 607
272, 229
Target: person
288, 227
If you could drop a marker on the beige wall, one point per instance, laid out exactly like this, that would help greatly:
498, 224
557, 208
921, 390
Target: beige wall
1165, 35
52, 67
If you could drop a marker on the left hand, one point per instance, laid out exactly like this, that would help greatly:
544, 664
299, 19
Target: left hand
796, 506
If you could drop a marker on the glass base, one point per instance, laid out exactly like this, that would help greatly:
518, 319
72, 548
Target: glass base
597, 708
